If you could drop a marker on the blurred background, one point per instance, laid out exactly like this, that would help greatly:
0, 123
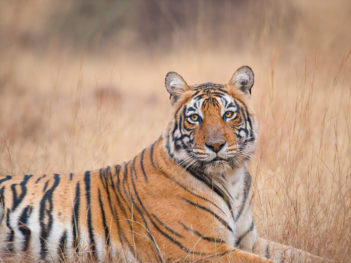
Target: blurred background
81, 87
161, 26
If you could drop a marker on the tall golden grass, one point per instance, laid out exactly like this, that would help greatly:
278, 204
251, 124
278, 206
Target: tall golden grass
64, 110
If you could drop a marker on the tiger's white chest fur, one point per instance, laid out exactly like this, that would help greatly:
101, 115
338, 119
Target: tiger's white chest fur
239, 188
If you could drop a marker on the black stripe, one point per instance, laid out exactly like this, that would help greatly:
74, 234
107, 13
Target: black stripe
152, 154
144, 220
75, 219
125, 172
41, 177
133, 166
2, 197
134, 205
194, 194
162, 232
45, 216
62, 247
22, 226
208, 181
221, 254
11, 236
217, 94
175, 128
175, 140
121, 234
103, 177
221, 220
147, 231
5, 179
92, 247
238, 241
191, 109
142, 165
131, 205
247, 185
45, 185
267, 254
210, 239
18, 199
248, 117
119, 198
230, 105
168, 148
107, 232
117, 168
167, 227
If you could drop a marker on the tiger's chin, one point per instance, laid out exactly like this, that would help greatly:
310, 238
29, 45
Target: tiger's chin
217, 167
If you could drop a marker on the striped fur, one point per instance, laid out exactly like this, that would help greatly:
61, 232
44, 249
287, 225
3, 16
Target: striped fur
185, 198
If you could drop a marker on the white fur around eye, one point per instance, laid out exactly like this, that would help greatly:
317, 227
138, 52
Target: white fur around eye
192, 121
230, 118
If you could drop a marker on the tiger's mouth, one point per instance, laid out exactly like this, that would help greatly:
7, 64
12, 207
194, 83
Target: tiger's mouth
219, 159
208, 158
221, 163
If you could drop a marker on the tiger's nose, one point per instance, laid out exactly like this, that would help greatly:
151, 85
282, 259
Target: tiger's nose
215, 147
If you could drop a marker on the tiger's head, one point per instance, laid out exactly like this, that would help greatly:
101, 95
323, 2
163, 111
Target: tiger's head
212, 127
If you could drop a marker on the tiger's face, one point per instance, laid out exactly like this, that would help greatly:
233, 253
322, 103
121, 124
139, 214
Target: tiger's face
212, 127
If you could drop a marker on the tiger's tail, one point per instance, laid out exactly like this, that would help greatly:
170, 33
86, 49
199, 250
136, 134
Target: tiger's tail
287, 254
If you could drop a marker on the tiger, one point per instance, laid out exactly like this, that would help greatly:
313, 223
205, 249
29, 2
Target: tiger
185, 198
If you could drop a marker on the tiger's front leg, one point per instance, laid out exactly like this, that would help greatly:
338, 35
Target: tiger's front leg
283, 253
249, 241
228, 254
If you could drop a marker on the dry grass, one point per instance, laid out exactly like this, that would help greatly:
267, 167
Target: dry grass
62, 111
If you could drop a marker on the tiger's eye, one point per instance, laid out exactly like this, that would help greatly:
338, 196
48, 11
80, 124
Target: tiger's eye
228, 114
194, 117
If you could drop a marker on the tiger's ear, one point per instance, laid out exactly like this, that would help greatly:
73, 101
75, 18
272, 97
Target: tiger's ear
243, 79
175, 85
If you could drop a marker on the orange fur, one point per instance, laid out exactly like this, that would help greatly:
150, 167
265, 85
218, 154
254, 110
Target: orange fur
172, 202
